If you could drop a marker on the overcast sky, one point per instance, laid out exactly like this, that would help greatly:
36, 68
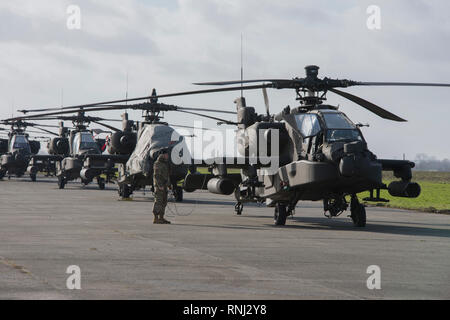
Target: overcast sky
171, 44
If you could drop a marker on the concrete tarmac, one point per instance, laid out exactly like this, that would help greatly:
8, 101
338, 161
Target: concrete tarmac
208, 252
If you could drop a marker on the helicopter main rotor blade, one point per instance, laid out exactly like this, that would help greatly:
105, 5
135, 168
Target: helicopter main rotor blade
69, 118
207, 110
47, 131
184, 93
107, 126
403, 84
266, 101
369, 106
226, 83
189, 127
41, 125
38, 116
168, 108
209, 117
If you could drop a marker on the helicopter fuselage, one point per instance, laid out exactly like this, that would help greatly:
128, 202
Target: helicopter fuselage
138, 171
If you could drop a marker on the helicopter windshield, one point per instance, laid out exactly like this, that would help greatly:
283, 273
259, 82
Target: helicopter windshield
334, 135
20, 142
340, 128
84, 141
308, 124
336, 120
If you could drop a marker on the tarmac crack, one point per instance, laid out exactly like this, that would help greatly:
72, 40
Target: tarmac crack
11, 264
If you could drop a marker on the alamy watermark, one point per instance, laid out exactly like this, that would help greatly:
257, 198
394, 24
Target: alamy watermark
374, 280
73, 282
73, 21
212, 147
374, 20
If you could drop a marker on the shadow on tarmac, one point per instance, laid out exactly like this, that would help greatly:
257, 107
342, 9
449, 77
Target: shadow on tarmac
327, 224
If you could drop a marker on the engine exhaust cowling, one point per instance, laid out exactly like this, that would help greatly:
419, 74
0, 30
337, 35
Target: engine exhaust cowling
404, 189
221, 186
32, 170
196, 181
88, 174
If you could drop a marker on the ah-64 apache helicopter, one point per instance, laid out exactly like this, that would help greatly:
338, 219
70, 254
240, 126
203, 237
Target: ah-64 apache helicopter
17, 150
322, 155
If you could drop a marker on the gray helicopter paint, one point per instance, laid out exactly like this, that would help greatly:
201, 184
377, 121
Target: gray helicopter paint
154, 137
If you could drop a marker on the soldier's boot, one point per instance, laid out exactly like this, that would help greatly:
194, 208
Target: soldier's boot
162, 220
156, 220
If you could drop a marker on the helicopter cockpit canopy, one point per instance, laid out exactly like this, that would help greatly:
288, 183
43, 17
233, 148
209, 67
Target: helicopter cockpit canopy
84, 141
308, 124
339, 127
20, 142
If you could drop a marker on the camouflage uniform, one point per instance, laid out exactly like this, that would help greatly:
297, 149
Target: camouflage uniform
161, 181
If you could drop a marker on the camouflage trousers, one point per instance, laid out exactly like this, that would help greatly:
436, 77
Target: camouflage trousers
160, 202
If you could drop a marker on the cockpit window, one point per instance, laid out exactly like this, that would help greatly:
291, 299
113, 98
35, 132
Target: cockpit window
20, 142
337, 121
334, 135
308, 124
84, 141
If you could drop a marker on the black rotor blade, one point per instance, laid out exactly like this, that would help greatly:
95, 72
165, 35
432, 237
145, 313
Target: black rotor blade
404, 84
209, 117
225, 83
207, 110
107, 126
69, 118
174, 108
20, 123
184, 93
189, 127
47, 131
369, 106
41, 125
38, 116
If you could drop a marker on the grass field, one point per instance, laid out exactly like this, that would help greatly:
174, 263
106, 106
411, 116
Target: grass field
435, 195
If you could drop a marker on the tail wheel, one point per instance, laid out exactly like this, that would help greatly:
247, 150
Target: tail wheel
61, 182
125, 191
178, 194
238, 208
280, 214
101, 183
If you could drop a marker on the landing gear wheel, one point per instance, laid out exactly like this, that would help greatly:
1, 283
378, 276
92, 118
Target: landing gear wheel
2, 174
178, 194
238, 208
125, 191
358, 213
280, 214
33, 177
61, 182
101, 183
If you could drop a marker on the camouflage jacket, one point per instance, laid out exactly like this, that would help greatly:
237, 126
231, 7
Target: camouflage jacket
161, 173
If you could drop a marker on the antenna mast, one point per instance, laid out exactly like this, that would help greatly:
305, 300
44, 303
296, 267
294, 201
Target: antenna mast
242, 68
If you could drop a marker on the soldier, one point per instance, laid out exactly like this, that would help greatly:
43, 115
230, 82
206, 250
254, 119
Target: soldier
161, 181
